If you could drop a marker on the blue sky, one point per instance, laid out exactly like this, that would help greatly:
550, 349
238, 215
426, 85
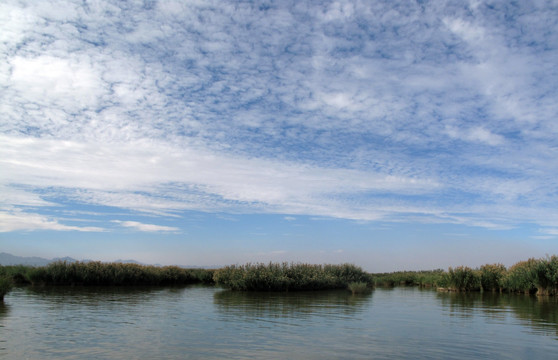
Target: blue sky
391, 134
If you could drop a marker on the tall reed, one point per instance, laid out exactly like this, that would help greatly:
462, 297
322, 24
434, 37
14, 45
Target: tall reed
288, 277
546, 276
521, 277
98, 273
463, 278
492, 277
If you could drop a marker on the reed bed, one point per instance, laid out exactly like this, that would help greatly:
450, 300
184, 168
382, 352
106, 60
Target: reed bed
532, 276
492, 277
106, 274
462, 278
289, 277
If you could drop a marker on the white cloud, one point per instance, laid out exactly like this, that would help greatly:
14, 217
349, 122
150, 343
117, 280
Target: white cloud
146, 227
17, 220
549, 231
476, 134
142, 165
350, 110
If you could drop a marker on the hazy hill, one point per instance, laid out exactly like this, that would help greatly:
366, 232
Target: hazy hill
9, 259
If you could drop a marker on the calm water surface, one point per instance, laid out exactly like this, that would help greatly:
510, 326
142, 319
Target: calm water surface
209, 323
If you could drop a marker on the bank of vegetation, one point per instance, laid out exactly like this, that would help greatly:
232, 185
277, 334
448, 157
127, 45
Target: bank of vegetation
96, 273
532, 276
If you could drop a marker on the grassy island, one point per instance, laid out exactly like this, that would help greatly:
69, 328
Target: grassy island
289, 277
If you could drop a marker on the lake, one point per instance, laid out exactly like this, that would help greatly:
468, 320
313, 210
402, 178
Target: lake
209, 323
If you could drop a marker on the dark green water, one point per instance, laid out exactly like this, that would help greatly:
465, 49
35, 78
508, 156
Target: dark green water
208, 323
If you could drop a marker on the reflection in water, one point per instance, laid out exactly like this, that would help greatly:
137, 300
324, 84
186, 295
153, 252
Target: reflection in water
54, 293
3, 310
199, 322
540, 314
3, 313
89, 322
298, 305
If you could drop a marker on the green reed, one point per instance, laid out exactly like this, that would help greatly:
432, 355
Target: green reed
113, 274
546, 276
533, 276
538, 276
492, 277
288, 277
521, 277
19, 274
462, 278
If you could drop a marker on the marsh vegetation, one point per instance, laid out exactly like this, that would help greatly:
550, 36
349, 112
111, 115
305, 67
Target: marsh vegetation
532, 276
96, 273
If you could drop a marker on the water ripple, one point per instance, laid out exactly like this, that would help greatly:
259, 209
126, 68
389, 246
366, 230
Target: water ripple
208, 323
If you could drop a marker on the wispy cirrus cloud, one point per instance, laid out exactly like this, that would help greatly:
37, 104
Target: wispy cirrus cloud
369, 111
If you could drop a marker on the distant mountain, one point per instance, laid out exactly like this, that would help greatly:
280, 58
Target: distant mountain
128, 262
9, 259
66, 258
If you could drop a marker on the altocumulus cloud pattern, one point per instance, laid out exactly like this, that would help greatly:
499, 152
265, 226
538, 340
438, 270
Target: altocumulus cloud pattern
398, 111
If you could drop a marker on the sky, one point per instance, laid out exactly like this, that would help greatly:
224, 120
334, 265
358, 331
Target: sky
395, 135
